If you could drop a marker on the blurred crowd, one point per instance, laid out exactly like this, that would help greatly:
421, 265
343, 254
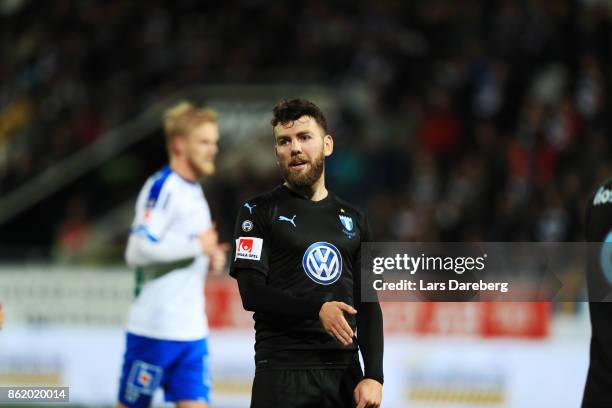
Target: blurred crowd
469, 120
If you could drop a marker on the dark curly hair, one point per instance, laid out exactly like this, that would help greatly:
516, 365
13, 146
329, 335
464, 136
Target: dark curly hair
287, 111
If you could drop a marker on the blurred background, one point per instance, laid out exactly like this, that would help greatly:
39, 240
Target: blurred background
472, 120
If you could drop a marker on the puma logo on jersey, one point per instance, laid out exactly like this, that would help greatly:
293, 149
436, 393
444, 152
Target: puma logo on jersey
283, 218
250, 207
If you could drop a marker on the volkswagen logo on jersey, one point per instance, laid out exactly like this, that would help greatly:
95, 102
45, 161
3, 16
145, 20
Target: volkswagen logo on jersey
322, 263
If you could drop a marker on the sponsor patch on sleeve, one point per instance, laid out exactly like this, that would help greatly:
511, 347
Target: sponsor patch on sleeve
249, 248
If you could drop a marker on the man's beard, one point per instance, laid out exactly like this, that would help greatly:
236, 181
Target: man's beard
307, 178
202, 169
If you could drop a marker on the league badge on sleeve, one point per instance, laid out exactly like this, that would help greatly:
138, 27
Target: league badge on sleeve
347, 223
249, 248
247, 225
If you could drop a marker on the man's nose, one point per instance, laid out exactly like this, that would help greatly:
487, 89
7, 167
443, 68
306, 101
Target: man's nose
296, 147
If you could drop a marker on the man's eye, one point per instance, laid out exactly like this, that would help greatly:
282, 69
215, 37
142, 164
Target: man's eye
283, 142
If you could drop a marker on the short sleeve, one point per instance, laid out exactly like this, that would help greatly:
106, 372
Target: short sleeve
251, 238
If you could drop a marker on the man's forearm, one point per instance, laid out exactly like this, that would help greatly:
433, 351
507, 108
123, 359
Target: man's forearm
257, 296
370, 338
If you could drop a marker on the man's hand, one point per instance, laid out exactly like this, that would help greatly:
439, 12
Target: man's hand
368, 393
334, 323
209, 240
218, 259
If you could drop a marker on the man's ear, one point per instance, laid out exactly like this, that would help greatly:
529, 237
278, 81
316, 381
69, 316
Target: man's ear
328, 145
177, 145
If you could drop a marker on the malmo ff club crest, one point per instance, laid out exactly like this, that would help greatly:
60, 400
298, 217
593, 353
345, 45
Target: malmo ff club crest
322, 263
347, 224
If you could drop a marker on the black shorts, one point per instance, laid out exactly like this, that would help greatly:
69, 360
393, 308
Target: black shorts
316, 387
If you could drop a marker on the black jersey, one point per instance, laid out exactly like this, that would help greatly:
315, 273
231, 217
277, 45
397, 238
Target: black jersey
598, 389
304, 248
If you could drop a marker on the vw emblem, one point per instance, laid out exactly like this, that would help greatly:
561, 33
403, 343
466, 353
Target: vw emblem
322, 263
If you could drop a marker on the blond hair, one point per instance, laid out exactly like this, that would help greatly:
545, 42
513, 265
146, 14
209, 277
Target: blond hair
183, 117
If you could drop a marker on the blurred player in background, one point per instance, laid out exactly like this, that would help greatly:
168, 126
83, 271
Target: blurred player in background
1, 316
172, 245
598, 388
298, 264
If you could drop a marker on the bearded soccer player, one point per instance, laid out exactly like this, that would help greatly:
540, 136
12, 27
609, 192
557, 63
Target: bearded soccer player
298, 262
598, 389
172, 245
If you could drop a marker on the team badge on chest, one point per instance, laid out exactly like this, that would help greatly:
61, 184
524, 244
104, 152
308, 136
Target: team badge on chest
347, 224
